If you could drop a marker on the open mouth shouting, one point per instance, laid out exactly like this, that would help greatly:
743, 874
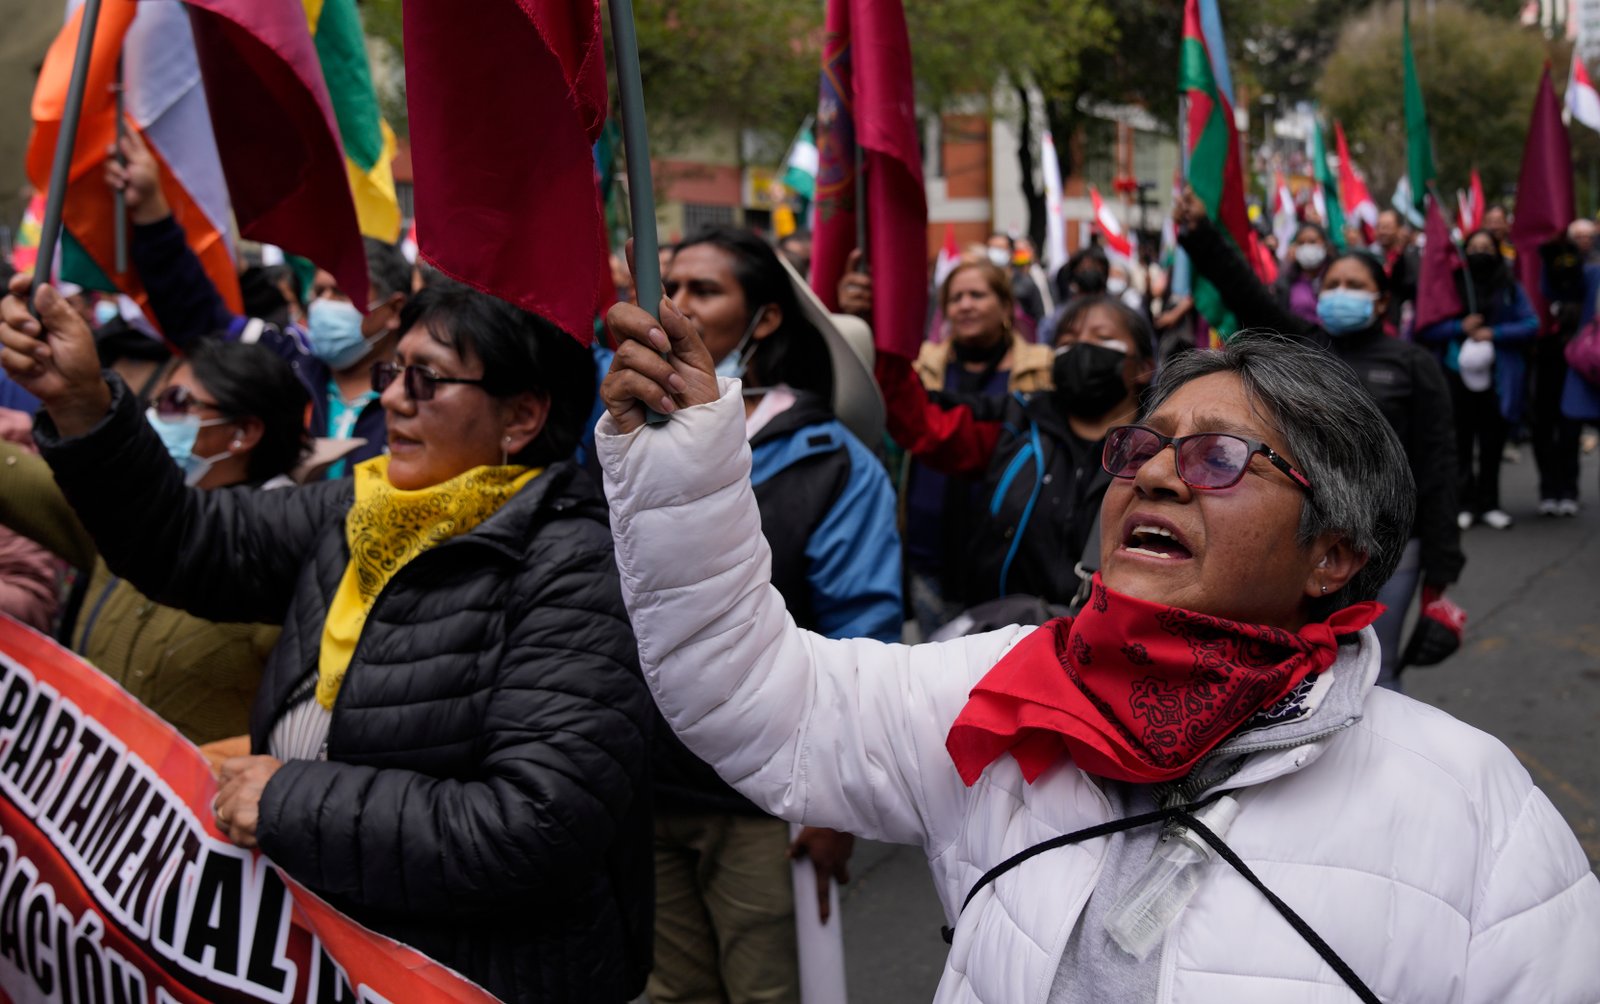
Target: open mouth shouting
1148, 537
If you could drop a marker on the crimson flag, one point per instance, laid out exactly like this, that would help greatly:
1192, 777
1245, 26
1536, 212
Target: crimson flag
1438, 297
1544, 193
276, 133
506, 100
867, 98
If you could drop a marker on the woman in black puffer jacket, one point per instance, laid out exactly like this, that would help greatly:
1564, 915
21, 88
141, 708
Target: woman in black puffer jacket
452, 736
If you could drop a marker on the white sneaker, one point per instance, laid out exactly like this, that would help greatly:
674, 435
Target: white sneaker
1497, 519
1549, 507
1464, 520
1568, 507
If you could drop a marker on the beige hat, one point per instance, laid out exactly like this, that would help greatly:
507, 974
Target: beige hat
857, 402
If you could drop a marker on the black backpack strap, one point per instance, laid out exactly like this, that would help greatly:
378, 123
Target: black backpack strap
1305, 931
1065, 840
1185, 815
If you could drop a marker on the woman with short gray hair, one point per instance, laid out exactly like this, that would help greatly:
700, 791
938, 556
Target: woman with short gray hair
1189, 791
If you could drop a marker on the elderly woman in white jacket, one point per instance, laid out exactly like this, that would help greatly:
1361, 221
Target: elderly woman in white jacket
1189, 792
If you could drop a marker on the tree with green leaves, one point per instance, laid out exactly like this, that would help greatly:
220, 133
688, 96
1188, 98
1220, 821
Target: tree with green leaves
1478, 73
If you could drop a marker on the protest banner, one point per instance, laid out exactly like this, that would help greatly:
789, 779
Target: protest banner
116, 886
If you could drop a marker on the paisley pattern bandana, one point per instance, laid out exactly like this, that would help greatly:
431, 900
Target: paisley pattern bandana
1136, 691
387, 527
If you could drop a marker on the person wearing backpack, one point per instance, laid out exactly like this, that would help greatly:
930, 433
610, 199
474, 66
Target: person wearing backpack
1035, 456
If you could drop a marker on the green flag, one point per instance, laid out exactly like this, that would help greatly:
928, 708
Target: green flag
1333, 210
1419, 148
800, 167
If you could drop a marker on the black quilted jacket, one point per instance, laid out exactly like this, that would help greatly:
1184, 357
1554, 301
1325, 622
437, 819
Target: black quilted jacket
486, 793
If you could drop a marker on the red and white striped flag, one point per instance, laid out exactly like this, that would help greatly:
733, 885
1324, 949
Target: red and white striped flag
1582, 99
1109, 227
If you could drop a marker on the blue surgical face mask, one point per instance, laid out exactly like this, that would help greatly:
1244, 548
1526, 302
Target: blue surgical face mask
1343, 311
734, 363
178, 436
335, 330
105, 311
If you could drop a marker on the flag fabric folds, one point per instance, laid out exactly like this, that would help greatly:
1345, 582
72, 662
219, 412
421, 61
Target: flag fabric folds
277, 135
164, 102
1055, 224
369, 143
800, 167
507, 203
949, 257
1358, 204
1283, 214
1214, 168
870, 101
1476, 202
1582, 99
1438, 296
1109, 228
1330, 204
1419, 145
1544, 192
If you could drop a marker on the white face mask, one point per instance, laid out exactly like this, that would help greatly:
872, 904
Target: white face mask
1310, 256
1116, 285
736, 362
1000, 256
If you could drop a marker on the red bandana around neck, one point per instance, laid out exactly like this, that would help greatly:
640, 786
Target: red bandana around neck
1136, 691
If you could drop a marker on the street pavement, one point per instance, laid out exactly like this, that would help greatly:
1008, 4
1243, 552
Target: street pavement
1528, 673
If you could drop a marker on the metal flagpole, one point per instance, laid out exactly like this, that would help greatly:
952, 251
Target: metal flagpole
61, 167
636, 144
636, 147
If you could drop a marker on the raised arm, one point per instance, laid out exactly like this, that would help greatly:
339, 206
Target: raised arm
844, 734
182, 296
1249, 300
949, 440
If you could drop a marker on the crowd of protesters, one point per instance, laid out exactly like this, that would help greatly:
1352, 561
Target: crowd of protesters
360, 553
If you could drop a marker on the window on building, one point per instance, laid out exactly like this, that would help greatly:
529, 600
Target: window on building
403, 194
1099, 153
697, 216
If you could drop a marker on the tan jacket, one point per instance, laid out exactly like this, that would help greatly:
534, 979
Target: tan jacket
1028, 364
199, 675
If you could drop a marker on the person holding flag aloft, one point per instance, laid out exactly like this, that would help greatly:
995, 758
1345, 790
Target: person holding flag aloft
1483, 353
1404, 380
1035, 766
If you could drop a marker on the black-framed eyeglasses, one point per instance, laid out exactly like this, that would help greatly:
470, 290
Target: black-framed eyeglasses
420, 382
1207, 461
177, 400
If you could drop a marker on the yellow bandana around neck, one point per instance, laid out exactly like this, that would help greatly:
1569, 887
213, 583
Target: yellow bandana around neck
387, 527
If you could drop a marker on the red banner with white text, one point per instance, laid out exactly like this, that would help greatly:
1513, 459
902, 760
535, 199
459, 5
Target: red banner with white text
117, 888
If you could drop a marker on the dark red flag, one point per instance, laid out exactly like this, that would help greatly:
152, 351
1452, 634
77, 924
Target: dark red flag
1544, 192
867, 98
506, 100
276, 133
1438, 296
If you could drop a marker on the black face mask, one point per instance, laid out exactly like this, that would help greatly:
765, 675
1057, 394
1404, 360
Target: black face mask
1088, 379
1484, 265
1089, 280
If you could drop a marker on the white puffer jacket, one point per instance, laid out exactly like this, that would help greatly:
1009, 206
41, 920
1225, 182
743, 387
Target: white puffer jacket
1415, 845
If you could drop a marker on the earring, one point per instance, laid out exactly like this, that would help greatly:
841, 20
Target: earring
1324, 589
505, 450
